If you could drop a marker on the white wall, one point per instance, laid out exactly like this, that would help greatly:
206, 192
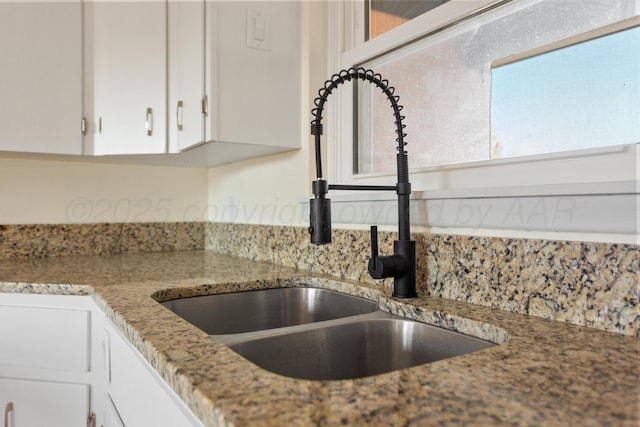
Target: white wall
269, 190
63, 192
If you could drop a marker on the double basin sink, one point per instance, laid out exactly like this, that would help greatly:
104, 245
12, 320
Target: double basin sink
319, 334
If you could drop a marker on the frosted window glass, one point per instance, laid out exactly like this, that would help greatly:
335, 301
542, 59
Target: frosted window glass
444, 81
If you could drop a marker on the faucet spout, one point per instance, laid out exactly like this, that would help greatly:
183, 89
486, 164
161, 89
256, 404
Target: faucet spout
402, 264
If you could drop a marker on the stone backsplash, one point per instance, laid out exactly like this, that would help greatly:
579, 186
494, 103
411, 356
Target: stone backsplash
51, 240
591, 284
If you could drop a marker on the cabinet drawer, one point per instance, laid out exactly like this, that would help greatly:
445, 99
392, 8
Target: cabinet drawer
40, 403
45, 338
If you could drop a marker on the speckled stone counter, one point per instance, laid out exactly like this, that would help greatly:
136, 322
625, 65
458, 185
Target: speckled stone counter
544, 373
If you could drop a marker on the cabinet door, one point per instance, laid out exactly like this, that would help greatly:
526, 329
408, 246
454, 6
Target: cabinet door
139, 396
254, 73
186, 74
40, 403
125, 67
41, 77
111, 416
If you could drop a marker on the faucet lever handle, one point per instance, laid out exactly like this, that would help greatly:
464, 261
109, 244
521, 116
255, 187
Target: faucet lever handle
376, 265
374, 242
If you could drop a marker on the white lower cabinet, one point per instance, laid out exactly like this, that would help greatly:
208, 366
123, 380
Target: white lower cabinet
63, 364
136, 395
28, 403
46, 376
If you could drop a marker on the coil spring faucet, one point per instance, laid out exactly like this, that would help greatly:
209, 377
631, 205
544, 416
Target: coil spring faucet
402, 264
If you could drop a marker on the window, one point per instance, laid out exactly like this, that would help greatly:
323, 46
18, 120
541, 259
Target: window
444, 64
384, 15
585, 95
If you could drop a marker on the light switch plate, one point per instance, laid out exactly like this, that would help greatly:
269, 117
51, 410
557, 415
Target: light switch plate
258, 29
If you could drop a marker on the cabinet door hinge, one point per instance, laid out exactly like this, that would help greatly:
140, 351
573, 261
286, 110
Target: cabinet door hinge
91, 420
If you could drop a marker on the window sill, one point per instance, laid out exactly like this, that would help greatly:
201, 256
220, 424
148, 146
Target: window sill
605, 212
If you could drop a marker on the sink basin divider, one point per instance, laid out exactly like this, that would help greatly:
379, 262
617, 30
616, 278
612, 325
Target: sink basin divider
231, 339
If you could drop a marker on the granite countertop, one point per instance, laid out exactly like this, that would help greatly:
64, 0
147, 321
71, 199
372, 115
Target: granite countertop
543, 373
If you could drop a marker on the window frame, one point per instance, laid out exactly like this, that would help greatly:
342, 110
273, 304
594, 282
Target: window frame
604, 176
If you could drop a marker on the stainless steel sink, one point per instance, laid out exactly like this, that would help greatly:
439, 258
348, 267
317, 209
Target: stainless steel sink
243, 312
318, 334
356, 348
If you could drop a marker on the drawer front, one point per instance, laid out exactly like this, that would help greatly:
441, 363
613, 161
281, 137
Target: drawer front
46, 338
40, 403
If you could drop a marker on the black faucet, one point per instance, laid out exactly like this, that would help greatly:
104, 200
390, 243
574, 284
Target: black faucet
402, 264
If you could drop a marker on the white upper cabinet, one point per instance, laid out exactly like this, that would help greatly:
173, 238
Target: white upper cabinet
125, 77
235, 73
253, 71
41, 77
186, 74
202, 82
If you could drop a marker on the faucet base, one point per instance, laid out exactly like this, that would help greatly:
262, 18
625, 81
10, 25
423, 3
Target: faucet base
404, 285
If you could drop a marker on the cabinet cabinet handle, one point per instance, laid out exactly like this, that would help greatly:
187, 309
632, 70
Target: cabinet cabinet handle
7, 410
100, 125
179, 115
149, 121
205, 105
83, 125
91, 420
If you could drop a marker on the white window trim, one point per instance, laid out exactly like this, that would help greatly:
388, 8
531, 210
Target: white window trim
516, 199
